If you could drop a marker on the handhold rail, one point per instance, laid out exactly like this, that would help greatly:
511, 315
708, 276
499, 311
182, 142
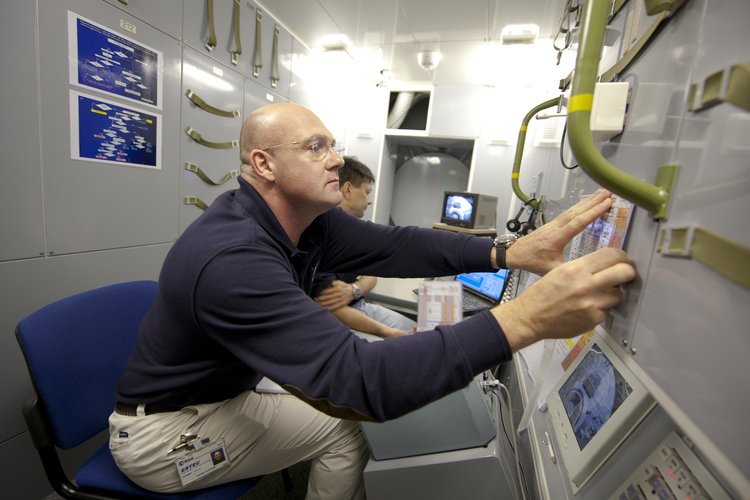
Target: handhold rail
519, 149
654, 198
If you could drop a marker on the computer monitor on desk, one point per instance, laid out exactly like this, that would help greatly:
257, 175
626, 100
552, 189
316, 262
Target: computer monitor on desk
468, 210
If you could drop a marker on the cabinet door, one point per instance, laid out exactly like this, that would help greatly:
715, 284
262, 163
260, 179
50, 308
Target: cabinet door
110, 128
21, 189
272, 50
212, 113
164, 15
256, 96
301, 89
221, 29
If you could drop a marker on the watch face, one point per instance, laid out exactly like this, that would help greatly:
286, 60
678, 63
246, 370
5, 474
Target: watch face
506, 239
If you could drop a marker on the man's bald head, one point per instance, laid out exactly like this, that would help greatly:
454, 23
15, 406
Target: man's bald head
270, 125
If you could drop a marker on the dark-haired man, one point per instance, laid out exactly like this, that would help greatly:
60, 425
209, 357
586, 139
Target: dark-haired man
344, 294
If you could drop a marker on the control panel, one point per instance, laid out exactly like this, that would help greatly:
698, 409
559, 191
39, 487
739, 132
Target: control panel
671, 472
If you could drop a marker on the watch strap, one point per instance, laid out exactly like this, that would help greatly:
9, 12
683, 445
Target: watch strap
501, 244
500, 250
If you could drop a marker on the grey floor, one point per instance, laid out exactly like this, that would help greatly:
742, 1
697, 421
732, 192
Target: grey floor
271, 487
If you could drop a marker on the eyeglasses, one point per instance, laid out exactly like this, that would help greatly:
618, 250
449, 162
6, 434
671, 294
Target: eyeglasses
318, 147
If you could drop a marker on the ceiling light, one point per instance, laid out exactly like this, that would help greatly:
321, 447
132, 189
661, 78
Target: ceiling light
519, 33
335, 42
429, 59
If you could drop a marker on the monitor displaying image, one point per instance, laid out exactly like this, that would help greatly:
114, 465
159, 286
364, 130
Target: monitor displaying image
468, 210
458, 207
592, 394
594, 407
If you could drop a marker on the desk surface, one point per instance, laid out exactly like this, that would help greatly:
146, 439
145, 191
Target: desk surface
457, 229
396, 293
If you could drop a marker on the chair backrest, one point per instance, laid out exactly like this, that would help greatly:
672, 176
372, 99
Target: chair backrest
76, 349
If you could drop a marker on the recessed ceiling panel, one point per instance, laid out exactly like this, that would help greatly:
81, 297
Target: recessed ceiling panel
446, 20
546, 13
458, 28
366, 22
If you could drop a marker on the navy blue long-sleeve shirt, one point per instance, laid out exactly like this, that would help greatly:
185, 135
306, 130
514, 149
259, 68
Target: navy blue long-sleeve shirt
233, 306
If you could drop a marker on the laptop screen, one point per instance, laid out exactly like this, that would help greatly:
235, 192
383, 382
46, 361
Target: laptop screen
489, 285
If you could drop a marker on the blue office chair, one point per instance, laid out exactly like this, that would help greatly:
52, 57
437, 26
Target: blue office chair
76, 349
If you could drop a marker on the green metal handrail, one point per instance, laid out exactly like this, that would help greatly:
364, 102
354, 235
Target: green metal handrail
654, 198
519, 149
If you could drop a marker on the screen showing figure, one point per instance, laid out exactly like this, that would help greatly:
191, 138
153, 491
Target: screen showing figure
459, 207
592, 393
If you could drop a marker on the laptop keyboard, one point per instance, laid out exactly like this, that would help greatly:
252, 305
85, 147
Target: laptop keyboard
472, 303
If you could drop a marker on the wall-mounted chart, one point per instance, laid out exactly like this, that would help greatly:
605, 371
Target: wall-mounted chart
103, 131
109, 62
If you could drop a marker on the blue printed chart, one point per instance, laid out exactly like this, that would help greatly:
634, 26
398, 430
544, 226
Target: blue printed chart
107, 132
108, 62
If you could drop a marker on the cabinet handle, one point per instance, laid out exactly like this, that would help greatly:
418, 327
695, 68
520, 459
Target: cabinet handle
275, 58
194, 200
236, 28
198, 101
258, 57
192, 167
197, 137
211, 40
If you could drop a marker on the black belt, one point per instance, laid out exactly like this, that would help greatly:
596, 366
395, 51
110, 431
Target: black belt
131, 410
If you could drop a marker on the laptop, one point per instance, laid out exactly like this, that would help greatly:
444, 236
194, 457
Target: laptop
482, 290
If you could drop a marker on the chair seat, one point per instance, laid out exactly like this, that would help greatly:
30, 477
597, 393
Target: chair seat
101, 472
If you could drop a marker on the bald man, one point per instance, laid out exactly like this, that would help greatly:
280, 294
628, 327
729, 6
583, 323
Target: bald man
234, 306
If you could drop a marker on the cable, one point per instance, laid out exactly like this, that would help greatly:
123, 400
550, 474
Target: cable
562, 147
492, 387
521, 475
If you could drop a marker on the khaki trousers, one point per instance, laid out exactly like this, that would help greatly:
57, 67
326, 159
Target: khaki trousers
262, 433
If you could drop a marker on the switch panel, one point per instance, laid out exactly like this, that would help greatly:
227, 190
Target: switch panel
671, 472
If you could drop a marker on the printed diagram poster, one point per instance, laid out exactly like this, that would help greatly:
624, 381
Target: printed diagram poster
440, 303
108, 62
103, 131
608, 230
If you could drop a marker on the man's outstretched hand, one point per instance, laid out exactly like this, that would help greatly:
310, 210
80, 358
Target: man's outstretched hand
542, 250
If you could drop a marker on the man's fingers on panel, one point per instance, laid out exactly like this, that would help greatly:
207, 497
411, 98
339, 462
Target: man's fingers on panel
580, 219
609, 298
583, 206
615, 275
602, 259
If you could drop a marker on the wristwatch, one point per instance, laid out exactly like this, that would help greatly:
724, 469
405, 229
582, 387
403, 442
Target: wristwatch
502, 243
357, 291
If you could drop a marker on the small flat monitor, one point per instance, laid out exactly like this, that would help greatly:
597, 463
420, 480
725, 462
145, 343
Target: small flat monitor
487, 285
469, 210
594, 407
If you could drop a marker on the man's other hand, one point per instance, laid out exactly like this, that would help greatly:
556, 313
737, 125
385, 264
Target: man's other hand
571, 299
337, 294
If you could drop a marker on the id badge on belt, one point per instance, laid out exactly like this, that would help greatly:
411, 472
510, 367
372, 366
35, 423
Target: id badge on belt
200, 457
